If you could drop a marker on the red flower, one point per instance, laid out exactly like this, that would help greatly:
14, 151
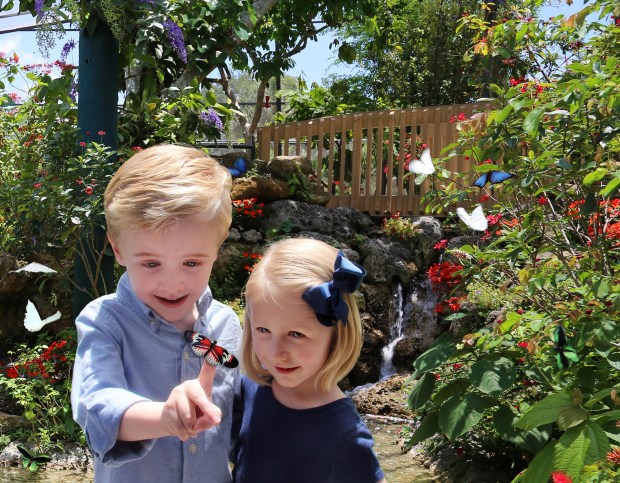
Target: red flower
440, 244
83, 144
12, 373
101, 133
36, 186
542, 200
522, 344
560, 477
88, 190
484, 198
614, 456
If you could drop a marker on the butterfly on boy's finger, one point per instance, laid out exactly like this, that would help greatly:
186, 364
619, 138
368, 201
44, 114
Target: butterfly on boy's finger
564, 352
214, 354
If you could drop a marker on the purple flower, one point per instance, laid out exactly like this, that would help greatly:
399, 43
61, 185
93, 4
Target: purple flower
211, 119
68, 47
73, 91
175, 36
38, 8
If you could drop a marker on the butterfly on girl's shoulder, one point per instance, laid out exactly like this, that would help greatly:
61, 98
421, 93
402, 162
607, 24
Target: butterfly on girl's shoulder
32, 461
564, 352
492, 177
213, 353
239, 167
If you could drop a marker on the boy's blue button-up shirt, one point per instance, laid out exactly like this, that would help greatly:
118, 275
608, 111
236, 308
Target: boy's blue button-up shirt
128, 354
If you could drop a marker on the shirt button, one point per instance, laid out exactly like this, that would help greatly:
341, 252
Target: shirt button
193, 448
186, 355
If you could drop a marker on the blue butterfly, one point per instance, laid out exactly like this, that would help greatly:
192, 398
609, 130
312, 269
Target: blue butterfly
492, 177
239, 168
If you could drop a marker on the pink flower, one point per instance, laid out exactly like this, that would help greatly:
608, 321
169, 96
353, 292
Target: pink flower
560, 477
440, 245
88, 190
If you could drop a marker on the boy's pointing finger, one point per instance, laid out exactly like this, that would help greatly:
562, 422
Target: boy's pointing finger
206, 376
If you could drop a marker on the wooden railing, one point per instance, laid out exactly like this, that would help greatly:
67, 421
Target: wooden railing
371, 145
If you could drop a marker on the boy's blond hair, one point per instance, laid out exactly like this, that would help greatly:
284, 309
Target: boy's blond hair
287, 269
163, 184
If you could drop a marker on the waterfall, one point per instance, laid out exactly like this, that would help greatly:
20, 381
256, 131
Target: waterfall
396, 334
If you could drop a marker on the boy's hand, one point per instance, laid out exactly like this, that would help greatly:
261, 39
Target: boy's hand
189, 409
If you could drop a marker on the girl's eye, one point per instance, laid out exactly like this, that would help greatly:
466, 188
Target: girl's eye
262, 330
296, 335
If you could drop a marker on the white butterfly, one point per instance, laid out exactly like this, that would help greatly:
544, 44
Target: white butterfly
32, 320
35, 267
476, 221
424, 165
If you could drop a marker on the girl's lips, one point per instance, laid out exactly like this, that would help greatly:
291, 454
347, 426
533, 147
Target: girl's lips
285, 370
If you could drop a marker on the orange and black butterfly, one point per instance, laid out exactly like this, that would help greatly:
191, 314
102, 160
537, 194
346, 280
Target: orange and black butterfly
214, 354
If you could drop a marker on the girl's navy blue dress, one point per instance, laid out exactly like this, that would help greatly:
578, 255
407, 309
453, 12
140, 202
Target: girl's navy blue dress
277, 444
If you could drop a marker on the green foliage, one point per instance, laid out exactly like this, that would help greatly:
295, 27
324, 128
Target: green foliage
551, 254
401, 228
38, 380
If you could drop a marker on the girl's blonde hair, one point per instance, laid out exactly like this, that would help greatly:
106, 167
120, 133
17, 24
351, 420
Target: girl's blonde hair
163, 184
287, 269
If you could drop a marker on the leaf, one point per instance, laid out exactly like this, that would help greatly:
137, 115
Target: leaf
541, 466
458, 415
421, 392
580, 446
436, 355
532, 121
493, 374
428, 427
611, 187
455, 387
532, 440
571, 416
545, 411
595, 176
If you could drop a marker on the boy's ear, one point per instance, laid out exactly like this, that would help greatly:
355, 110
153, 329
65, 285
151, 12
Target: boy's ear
117, 252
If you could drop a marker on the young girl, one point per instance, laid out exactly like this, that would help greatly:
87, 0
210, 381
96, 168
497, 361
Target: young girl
302, 334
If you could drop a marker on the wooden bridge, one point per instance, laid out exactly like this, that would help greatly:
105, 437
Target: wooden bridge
373, 146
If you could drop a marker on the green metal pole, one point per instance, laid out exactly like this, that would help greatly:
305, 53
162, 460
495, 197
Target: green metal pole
97, 111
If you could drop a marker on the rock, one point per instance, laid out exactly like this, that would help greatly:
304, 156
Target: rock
11, 422
386, 260
285, 167
299, 217
263, 188
385, 398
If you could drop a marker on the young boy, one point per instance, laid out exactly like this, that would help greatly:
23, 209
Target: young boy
135, 393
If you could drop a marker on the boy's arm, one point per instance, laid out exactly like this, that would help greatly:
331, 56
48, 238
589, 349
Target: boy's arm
187, 412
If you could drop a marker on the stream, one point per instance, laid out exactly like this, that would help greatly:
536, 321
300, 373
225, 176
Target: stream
398, 467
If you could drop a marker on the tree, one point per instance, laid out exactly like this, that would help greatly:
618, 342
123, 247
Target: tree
414, 55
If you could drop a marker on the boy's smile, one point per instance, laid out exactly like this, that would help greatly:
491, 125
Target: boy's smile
169, 271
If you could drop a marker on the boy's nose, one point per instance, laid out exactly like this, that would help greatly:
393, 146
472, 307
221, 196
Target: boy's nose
172, 283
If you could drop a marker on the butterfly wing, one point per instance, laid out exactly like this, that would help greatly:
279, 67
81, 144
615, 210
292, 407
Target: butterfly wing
424, 165
565, 353
499, 176
213, 353
476, 221
239, 168
482, 180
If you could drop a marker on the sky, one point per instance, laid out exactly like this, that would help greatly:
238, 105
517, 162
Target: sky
314, 63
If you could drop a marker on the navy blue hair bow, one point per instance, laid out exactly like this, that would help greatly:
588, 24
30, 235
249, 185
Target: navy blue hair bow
326, 299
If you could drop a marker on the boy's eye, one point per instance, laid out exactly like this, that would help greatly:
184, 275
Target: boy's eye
191, 264
151, 264
296, 335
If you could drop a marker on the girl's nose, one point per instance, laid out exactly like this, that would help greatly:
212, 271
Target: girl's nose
278, 350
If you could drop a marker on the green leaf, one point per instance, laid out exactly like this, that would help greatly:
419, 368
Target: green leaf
493, 374
455, 387
540, 468
595, 176
571, 416
421, 392
580, 446
532, 121
428, 427
436, 355
533, 441
611, 187
545, 411
458, 415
